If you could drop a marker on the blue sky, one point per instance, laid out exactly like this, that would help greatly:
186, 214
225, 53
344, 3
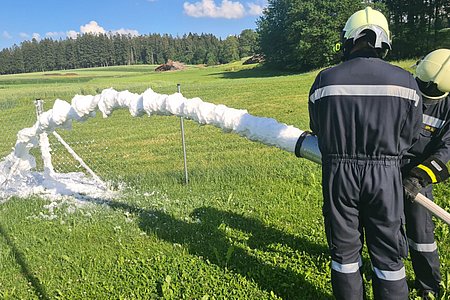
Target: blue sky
23, 19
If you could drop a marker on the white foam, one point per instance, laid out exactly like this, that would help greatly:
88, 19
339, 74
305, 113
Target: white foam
17, 179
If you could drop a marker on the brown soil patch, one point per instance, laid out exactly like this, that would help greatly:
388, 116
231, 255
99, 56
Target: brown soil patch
170, 66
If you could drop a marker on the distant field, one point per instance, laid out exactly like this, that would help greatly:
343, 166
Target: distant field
248, 225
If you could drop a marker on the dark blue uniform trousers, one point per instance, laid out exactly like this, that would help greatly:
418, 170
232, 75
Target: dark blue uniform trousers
423, 248
363, 199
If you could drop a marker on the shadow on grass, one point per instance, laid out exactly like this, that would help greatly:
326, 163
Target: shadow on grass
206, 238
256, 72
25, 269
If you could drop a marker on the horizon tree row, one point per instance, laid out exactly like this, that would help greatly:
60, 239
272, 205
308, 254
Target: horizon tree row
291, 34
104, 50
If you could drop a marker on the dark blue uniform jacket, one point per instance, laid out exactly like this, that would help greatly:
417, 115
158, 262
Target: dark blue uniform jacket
346, 115
434, 138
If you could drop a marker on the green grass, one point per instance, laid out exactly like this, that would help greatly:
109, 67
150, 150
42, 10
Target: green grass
248, 225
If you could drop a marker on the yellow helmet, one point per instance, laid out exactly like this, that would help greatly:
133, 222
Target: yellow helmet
434, 69
370, 19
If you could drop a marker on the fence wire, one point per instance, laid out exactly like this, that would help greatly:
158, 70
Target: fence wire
120, 149
101, 143
14, 116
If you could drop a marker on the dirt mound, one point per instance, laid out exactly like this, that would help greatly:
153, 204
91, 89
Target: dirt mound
170, 66
255, 59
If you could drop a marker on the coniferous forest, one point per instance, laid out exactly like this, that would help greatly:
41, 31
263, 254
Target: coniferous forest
101, 50
291, 34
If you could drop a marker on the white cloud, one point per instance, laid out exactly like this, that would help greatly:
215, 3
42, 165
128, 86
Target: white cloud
208, 8
255, 9
72, 34
56, 34
92, 27
124, 31
6, 35
36, 36
228, 9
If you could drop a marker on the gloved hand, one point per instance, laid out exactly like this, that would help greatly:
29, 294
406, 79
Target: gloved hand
412, 187
431, 170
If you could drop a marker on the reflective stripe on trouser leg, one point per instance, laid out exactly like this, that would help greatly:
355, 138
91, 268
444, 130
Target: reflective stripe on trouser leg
389, 284
426, 269
390, 275
346, 280
347, 286
383, 218
422, 245
346, 268
343, 230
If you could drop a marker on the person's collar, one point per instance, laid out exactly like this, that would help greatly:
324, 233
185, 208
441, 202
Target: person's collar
363, 53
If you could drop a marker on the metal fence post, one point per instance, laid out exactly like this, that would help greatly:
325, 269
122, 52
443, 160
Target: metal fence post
186, 178
44, 142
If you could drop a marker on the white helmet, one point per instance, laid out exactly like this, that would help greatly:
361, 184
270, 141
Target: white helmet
368, 19
434, 72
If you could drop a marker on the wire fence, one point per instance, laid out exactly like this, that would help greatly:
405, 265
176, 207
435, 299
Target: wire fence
120, 150
14, 116
84, 139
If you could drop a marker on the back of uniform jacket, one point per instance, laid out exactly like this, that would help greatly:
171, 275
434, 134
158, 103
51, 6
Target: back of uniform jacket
365, 107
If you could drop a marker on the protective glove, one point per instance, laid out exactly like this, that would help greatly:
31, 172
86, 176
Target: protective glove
432, 170
412, 187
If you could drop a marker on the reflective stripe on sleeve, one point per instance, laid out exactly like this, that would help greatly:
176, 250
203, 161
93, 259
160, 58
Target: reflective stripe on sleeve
422, 247
346, 268
390, 275
366, 90
429, 172
432, 121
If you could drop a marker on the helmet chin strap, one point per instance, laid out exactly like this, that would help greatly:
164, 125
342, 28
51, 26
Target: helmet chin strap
428, 99
362, 48
430, 91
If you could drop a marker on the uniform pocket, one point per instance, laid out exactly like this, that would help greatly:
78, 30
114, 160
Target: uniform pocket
426, 133
429, 226
328, 227
402, 241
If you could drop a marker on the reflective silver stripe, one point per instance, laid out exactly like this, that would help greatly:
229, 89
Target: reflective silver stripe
432, 121
436, 165
422, 247
390, 275
366, 90
346, 268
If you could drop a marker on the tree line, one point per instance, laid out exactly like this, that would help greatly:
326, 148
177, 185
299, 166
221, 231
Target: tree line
301, 34
290, 34
102, 50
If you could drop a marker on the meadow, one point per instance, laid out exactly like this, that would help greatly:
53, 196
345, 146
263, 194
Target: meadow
247, 226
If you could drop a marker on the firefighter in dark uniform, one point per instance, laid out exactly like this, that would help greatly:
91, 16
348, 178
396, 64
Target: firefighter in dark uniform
366, 114
426, 165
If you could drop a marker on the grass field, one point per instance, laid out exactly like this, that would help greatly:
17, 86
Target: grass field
248, 225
